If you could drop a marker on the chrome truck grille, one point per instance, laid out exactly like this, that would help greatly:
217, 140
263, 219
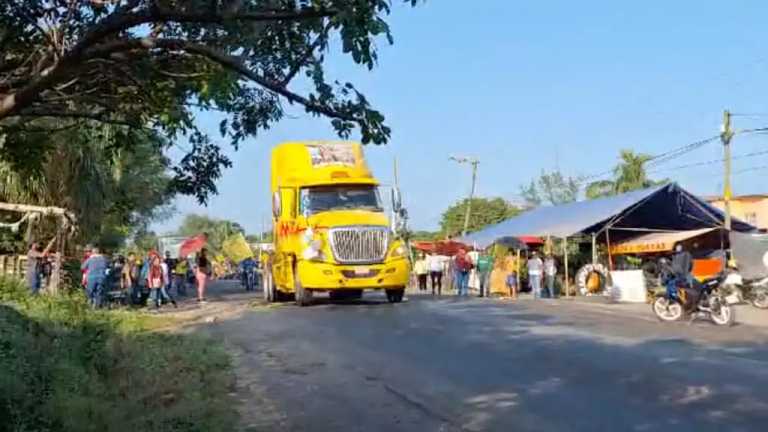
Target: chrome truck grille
359, 245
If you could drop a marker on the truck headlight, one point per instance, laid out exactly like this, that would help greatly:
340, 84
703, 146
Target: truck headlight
398, 252
313, 251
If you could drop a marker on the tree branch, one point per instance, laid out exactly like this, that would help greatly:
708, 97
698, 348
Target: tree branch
119, 22
99, 117
224, 60
236, 65
299, 64
33, 22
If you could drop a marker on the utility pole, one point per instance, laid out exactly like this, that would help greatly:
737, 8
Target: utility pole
474, 162
725, 136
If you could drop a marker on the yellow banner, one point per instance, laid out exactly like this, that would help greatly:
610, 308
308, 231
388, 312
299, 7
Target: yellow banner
640, 248
236, 248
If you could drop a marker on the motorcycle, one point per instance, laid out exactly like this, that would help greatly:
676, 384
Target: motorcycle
695, 300
248, 279
754, 292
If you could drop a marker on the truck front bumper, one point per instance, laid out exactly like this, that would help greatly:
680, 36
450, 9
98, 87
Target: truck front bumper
325, 276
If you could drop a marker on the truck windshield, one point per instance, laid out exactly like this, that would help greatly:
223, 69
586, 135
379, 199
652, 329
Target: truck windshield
324, 198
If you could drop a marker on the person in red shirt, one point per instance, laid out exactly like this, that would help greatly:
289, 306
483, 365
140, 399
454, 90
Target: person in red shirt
463, 267
86, 255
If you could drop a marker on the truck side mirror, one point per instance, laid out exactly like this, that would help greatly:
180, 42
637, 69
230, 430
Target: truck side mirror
397, 200
276, 204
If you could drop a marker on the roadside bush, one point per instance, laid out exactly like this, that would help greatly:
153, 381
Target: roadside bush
64, 367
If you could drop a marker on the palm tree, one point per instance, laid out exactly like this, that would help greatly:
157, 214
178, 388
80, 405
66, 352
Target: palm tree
628, 175
84, 173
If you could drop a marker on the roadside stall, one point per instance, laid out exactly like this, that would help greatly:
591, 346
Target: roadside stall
601, 223
637, 259
508, 252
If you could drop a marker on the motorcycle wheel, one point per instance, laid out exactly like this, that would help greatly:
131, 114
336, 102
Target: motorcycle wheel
760, 299
722, 313
667, 310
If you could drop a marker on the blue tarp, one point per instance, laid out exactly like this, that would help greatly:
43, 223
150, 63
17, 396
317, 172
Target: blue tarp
667, 207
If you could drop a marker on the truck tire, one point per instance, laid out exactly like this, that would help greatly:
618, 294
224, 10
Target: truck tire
395, 295
303, 296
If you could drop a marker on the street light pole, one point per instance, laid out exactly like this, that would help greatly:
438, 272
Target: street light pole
474, 162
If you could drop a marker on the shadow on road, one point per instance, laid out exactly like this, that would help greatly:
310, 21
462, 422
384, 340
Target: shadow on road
466, 364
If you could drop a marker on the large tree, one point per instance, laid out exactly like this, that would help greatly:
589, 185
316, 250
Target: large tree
628, 175
484, 212
152, 64
111, 191
551, 187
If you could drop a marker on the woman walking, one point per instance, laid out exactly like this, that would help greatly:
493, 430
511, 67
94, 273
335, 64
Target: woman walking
201, 273
155, 279
436, 265
420, 268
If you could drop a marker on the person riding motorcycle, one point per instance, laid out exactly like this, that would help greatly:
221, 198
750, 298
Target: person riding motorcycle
247, 273
679, 271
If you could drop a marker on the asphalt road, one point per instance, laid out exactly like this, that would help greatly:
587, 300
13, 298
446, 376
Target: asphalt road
489, 365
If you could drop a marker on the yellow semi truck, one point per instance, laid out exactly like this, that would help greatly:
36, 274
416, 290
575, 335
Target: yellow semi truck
330, 229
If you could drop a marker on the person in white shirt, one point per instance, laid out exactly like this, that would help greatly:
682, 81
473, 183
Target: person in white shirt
421, 270
550, 271
436, 267
535, 267
164, 295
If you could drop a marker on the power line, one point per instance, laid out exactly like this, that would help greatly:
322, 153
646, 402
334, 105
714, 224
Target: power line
675, 153
709, 162
750, 169
656, 159
760, 130
753, 115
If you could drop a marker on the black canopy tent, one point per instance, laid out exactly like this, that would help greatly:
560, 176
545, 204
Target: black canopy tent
665, 208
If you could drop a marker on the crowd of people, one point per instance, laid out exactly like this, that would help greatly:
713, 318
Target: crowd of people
474, 270
149, 279
155, 281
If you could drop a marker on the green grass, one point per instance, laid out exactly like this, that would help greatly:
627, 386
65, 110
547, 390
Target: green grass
64, 367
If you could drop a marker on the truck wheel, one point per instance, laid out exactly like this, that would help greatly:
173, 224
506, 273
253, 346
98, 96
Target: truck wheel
395, 295
303, 296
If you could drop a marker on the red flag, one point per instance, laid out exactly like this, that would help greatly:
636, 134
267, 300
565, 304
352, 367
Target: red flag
192, 245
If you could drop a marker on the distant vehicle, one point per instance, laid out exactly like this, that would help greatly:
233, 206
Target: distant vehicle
330, 229
754, 292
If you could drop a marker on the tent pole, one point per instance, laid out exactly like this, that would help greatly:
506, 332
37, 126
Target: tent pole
565, 259
517, 269
608, 245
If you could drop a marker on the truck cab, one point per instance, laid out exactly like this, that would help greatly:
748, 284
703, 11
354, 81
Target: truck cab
331, 232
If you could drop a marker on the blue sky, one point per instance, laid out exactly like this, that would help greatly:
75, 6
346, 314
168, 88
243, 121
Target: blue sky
526, 86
